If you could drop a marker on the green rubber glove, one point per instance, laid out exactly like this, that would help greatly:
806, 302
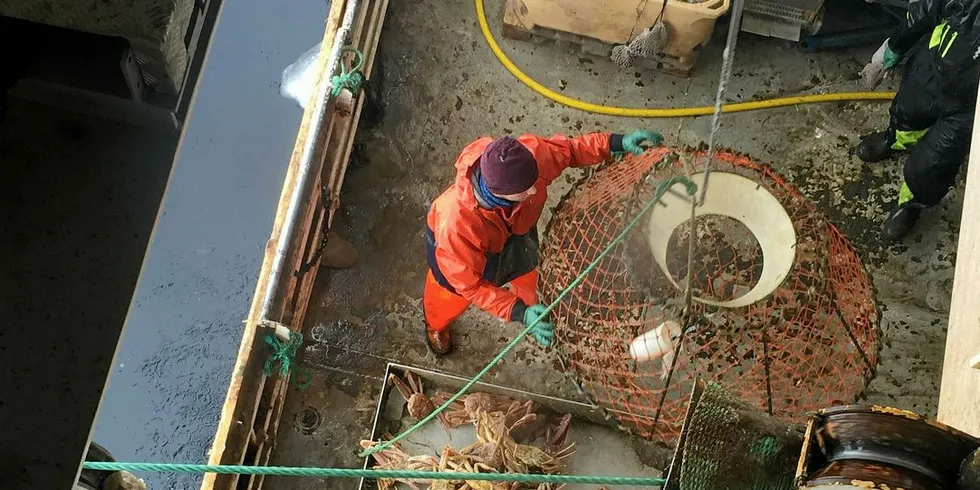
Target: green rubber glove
543, 331
891, 58
632, 141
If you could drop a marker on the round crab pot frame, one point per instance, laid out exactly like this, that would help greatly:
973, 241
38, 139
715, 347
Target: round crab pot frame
784, 313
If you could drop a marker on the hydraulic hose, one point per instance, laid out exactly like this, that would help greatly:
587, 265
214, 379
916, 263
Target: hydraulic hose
660, 112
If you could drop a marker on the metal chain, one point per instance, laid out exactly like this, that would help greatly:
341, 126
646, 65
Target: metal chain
324, 233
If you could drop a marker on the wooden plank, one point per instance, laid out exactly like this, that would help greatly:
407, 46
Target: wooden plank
340, 139
297, 294
300, 291
240, 405
959, 393
270, 426
304, 291
305, 247
258, 399
337, 168
373, 36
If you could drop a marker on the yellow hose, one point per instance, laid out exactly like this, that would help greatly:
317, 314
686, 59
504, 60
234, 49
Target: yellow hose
674, 112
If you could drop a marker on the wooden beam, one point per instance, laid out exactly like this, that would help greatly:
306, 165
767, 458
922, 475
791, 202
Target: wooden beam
254, 403
959, 395
245, 390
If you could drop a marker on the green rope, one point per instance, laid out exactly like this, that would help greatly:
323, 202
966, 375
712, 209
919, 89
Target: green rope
284, 353
662, 189
349, 79
373, 474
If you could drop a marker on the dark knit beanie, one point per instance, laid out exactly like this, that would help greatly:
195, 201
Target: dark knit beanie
508, 167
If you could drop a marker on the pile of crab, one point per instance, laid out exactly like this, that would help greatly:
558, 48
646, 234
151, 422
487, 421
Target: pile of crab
511, 438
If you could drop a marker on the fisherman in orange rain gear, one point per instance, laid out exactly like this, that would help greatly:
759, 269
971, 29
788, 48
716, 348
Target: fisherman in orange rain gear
481, 233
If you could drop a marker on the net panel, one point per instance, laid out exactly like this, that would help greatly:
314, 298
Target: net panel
732, 445
812, 343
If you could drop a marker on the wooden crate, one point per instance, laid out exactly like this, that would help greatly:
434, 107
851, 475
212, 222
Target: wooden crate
596, 26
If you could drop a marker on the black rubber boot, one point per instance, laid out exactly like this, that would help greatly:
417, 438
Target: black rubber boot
875, 147
900, 222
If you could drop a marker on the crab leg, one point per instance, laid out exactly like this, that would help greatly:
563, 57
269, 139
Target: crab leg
414, 381
400, 385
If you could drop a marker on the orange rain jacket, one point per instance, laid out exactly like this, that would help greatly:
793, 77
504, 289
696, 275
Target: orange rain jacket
466, 241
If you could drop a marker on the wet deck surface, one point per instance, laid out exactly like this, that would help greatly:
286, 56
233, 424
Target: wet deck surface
443, 88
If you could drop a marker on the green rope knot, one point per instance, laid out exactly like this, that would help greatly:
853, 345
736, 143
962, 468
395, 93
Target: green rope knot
350, 79
284, 353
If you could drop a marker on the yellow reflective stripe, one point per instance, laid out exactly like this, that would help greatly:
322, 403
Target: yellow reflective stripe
938, 34
950, 43
904, 140
904, 194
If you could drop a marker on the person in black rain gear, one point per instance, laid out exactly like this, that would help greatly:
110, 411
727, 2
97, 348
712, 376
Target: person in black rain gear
932, 114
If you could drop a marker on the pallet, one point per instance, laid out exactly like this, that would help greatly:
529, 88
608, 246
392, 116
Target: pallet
515, 26
249, 424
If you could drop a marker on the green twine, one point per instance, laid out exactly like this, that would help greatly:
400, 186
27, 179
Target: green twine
284, 353
662, 189
349, 79
765, 447
373, 474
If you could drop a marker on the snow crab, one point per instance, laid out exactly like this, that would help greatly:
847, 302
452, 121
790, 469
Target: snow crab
511, 438
463, 410
419, 405
496, 445
395, 458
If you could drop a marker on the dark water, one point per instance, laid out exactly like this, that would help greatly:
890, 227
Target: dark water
78, 198
184, 326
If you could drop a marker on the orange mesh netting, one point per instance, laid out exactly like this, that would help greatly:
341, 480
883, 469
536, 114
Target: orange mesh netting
810, 344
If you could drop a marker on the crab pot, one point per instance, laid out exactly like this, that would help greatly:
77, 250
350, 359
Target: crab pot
600, 447
858, 447
783, 315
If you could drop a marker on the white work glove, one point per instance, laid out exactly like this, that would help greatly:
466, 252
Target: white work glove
874, 72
